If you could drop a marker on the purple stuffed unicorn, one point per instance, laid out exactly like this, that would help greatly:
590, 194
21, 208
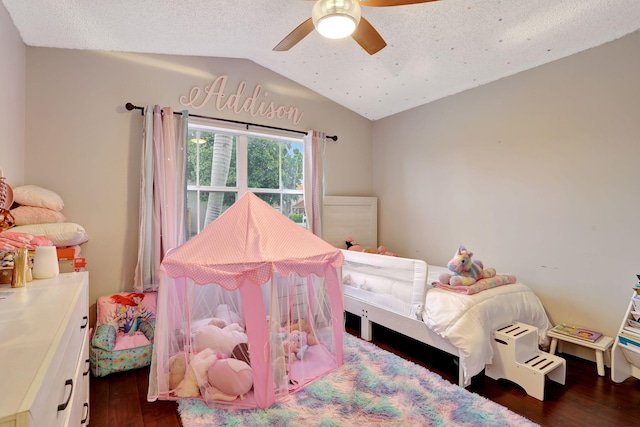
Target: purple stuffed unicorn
466, 271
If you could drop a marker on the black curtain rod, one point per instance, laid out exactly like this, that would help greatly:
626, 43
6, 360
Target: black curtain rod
129, 106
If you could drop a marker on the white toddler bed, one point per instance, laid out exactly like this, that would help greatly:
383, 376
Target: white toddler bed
396, 293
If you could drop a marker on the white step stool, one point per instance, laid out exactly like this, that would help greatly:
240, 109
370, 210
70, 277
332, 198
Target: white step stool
516, 357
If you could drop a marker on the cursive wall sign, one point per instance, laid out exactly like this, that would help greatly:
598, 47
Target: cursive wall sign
255, 104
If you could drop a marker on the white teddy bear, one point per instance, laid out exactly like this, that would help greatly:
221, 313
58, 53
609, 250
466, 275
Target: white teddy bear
219, 339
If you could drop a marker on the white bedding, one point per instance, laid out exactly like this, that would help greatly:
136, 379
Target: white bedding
403, 286
467, 320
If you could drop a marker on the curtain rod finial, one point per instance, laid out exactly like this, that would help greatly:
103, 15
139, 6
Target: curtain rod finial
130, 107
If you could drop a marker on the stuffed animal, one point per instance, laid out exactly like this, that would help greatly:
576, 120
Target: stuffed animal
180, 335
352, 245
224, 312
383, 251
223, 340
241, 352
177, 365
466, 271
228, 379
279, 362
296, 345
220, 323
195, 372
304, 326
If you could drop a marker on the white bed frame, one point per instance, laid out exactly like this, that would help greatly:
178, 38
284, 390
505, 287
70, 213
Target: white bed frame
344, 217
356, 217
370, 313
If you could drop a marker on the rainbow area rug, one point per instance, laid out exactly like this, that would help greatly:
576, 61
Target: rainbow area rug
373, 388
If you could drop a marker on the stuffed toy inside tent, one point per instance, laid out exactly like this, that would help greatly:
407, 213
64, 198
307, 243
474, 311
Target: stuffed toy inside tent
249, 311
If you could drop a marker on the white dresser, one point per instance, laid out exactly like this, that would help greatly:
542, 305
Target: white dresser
44, 352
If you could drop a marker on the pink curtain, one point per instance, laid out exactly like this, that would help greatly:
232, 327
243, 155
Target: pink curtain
162, 215
314, 143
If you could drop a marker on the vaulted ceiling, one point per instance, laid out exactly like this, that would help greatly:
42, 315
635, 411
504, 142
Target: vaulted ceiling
433, 49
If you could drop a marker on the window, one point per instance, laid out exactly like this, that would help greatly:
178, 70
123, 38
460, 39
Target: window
223, 164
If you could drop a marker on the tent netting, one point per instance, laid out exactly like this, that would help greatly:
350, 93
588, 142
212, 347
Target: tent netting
249, 311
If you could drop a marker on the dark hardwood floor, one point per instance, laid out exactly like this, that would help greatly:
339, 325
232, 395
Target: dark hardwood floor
120, 400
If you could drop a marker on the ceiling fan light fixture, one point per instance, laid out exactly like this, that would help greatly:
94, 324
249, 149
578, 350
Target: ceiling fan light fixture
336, 19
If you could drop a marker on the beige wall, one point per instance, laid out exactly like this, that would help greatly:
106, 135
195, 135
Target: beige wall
83, 144
536, 173
12, 100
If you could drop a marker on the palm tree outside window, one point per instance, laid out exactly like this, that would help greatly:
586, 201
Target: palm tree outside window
223, 164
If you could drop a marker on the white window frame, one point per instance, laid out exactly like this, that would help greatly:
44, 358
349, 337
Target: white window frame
242, 136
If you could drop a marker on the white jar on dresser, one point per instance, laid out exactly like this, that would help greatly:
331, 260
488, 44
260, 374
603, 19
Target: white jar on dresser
44, 352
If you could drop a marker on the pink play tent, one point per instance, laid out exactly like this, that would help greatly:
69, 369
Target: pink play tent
249, 311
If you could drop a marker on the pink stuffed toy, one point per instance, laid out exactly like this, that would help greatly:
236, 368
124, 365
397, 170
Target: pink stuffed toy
383, 251
352, 245
228, 379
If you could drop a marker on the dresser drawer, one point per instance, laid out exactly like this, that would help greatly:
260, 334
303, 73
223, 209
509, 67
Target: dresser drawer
64, 382
43, 352
79, 404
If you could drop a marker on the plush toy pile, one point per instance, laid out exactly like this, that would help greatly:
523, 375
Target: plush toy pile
219, 366
352, 245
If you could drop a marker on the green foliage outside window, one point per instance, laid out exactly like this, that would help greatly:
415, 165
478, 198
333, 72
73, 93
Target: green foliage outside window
271, 165
296, 217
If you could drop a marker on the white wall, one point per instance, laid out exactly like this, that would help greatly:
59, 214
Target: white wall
12, 100
536, 173
83, 143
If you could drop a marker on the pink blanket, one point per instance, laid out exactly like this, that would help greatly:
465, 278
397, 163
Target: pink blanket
10, 241
480, 285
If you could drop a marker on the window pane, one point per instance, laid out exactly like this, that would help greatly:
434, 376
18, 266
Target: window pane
194, 150
292, 164
223, 161
238, 162
293, 207
263, 159
272, 199
220, 161
215, 153
203, 207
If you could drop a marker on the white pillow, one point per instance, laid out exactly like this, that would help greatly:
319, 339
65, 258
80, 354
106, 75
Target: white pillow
32, 195
62, 234
26, 215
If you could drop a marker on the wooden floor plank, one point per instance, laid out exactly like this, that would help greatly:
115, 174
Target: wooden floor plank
586, 399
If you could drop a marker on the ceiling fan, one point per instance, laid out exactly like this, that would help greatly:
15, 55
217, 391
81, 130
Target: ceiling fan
341, 18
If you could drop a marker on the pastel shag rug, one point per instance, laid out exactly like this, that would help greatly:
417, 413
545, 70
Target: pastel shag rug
373, 388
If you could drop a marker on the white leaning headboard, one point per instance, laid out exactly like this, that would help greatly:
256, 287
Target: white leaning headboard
347, 216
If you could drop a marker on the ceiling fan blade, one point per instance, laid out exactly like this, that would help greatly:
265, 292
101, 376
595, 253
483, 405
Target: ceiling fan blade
295, 36
368, 37
382, 3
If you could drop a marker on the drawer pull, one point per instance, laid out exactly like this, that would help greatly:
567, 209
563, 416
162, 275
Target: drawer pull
86, 322
86, 416
84, 374
63, 406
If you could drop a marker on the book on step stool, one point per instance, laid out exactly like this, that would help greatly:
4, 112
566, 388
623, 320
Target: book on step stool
576, 332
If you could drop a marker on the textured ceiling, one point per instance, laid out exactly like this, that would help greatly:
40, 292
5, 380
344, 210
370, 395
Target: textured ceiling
433, 49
